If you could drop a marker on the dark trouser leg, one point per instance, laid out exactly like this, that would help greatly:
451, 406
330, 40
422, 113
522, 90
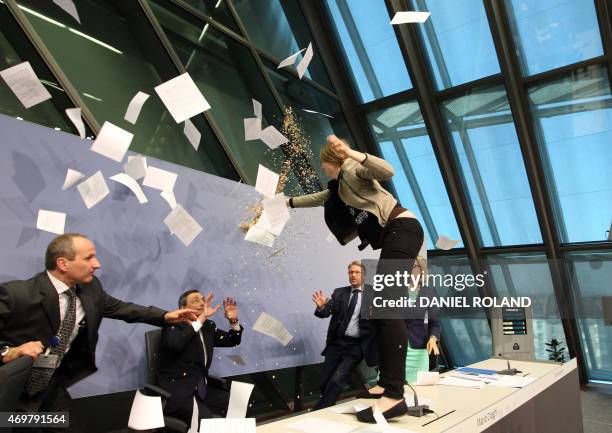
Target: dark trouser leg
57, 399
215, 403
401, 245
338, 366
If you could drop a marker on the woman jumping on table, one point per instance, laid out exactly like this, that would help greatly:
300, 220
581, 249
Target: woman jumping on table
356, 203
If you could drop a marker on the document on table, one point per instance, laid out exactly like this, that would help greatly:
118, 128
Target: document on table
161, 179
51, 221
135, 106
240, 393
136, 167
24, 83
410, 17
182, 225
272, 327
512, 381
227, 425
74, 114
129, 182
320, 425
427, 378
462, 383
146, 412
72, 178
349, 408
266, 182
93, 190
112, 142
182, 98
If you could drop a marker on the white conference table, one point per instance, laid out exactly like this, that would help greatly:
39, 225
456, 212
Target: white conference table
483, 410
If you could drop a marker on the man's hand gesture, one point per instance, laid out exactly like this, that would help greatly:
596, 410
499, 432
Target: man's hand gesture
209, 310
230, 311
320, 299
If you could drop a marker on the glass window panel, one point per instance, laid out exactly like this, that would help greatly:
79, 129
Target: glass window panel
529, 275
591, 273
468, 338
218, 10
553, 33
15, 48
121, 60
403, 141
458, 41
290, 34
573, 116
487, 148
300, 96
228, 76
370, 47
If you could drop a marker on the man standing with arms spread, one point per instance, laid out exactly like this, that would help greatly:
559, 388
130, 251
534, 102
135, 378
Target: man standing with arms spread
349, 337
61, 309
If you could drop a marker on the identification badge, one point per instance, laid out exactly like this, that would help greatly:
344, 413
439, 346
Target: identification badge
46, 361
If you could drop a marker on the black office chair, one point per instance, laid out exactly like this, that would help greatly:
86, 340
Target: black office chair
13, 376
153, 343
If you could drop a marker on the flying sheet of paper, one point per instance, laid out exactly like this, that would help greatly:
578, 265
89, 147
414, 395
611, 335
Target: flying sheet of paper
136, 167
135, 106
195, 418
289, 60
272, 137
272, 327
266, 182
275, 215
169, 197
129, 182
74, 114
410, 17
24, 83
240, 393
228, 425
427, 378
260, 236
237, 359
161, 179
146, 412
112, 142
69, 7
256, 108
252, 128
182, 225
319, 425
51, 221
93, 190
182, 97
192, 134
72, 178
349, 409
317, 112
445, 243
303, 65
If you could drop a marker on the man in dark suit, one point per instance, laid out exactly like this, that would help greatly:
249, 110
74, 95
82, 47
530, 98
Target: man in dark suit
187, 352
61, 309
349, 337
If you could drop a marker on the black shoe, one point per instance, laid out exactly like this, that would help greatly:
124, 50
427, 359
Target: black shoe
367, 394
367, 415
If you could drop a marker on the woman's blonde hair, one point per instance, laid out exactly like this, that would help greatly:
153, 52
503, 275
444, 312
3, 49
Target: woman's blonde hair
328, 154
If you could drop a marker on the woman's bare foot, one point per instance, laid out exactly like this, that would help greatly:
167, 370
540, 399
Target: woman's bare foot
376, 390
386, 403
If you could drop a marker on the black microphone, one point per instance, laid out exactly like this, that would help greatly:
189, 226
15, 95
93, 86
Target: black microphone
417, 410
508, 371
